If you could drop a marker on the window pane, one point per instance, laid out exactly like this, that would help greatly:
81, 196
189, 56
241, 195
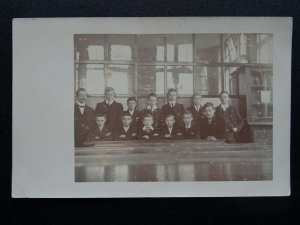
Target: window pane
121, 78
150, 79
181, 78
208, 80
260, 48
207, 48
232, 75
180, 48
151, 47
91, 77
120, 47
89, 46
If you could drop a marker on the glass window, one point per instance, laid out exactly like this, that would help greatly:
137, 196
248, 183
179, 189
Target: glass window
208, 80
89, 47
180, 48
121, 78
207, 48
151, 48
181, 78
260, 48
91, 77
232, 79
150, 79
120, 47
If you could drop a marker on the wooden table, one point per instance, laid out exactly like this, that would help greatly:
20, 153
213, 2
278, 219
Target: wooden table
195, 160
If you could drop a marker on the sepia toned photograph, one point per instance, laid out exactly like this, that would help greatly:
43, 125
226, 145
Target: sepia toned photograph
173, 107
151, 107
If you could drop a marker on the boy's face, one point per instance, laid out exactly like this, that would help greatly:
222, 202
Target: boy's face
170, 121
209, 112
197, 100
187, 119
126, 121
131, 105
224, 98
172, 96
100, 120
152, 101
110, 95
82, 96
148, 121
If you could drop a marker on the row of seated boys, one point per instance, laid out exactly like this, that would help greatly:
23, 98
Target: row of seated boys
208, 127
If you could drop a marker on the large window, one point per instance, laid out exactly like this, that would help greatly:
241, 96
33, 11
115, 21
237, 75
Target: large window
138, 64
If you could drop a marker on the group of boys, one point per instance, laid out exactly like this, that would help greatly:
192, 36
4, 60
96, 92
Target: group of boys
172, 122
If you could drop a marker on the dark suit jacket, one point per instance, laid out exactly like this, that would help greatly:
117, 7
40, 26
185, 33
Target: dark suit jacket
83, 123
128, 135
215, 128
175, 135
192, 132
136, 117
177, 110
104, 135
150, 134
157, 117
231, 118
196, 115
113, 113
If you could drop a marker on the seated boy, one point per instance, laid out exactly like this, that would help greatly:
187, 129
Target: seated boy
101, 131
126, 131
153, 110
132, 111
170, 131
190, 129
147, 131
210, 127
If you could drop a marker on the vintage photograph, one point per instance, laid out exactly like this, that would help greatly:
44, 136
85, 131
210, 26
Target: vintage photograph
173, 107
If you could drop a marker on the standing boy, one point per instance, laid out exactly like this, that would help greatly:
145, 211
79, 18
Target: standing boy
134, 113
172, 107
111, 108
153, 110
196, 108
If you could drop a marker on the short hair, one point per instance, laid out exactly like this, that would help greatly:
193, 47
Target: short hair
131, 99
208, 104
187, 112
196, 94
79, 90
151, 95
223, 92
107, 89
125, 114
147, 115
171, 90
101, 115
170, 115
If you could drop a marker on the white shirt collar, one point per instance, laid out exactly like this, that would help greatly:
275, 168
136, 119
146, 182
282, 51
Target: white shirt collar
174, 103
109, 103
188, 126
126, 128
80, 104
151, 128
225, 106
152, 109
131, 111
197, 107
170, 129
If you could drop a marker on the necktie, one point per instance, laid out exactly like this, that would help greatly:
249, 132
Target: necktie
147, 130
171, 105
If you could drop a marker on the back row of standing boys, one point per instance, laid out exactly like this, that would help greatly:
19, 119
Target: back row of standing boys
172, 122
